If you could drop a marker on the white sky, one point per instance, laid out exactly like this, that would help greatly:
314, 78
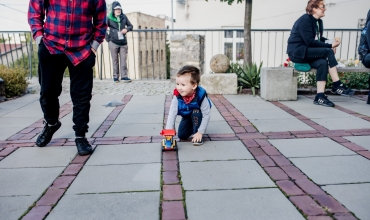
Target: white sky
13, 13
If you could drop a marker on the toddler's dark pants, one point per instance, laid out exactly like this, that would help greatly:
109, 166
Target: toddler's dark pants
189, 125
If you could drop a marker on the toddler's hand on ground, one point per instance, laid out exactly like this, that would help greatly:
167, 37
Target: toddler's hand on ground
197, 137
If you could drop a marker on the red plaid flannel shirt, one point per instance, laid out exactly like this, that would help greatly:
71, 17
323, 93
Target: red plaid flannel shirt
71, 27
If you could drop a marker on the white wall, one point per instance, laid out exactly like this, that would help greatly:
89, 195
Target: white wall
269, 48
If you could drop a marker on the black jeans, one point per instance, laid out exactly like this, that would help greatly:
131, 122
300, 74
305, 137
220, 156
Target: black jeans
51, 70
319, 58
189, 125
366, 63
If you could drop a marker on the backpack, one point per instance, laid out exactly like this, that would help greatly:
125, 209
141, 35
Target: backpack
363, 47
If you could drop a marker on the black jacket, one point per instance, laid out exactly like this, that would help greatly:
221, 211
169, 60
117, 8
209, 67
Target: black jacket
112, 33
303, 36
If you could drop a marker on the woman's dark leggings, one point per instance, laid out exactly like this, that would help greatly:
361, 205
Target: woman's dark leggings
189, 125
366, 63
319, 58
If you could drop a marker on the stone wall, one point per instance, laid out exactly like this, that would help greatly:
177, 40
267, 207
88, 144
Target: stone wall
186, 50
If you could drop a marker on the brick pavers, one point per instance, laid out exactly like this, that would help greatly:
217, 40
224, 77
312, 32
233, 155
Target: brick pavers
307, 196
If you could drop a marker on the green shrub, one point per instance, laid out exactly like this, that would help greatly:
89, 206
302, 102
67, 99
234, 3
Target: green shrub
248, 77
15, 80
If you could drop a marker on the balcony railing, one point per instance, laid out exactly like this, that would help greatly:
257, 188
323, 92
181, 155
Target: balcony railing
147, 49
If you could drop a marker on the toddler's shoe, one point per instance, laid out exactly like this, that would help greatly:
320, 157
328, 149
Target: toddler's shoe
126, 79
198, 143
115, 80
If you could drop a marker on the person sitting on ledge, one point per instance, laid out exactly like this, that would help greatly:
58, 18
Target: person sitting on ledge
307, 45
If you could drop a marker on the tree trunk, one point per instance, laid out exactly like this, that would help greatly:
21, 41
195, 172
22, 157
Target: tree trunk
247, 33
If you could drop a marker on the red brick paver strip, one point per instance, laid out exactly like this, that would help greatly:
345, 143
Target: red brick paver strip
307, 205
172, 192
37, 213
173, 210
51, 197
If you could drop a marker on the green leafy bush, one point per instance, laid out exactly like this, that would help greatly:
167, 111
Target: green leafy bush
15, 80
248, 77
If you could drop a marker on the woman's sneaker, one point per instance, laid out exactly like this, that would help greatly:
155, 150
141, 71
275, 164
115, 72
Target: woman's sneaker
342, 90
125, 80
323, 100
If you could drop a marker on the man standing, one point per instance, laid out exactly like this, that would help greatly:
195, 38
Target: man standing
119, 25
69, 37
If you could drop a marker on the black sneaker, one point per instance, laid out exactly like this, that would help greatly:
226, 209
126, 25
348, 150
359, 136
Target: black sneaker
83, 146
323, 100
342, 90
47, 134
198, 143
115, 80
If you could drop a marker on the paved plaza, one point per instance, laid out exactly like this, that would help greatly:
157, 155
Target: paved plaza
260, 160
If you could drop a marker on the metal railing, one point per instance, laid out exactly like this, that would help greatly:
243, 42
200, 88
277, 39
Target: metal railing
147, 49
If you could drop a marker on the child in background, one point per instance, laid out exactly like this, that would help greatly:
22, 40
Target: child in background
191, 102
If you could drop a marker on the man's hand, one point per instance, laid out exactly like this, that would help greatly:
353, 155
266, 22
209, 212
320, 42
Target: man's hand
93, 50
197, 137
124, 31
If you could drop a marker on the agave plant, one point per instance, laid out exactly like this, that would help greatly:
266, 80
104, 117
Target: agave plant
250, 76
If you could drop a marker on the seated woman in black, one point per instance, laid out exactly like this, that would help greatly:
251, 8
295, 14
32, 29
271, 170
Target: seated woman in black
306, 45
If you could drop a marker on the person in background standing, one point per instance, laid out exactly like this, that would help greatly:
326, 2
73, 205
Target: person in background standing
119, 25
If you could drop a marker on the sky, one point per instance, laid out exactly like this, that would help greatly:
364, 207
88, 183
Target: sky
13, 13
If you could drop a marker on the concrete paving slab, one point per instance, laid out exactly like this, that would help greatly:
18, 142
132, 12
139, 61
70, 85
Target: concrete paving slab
8, 132
11, 126
138, 119
40, 157
142, 205
243, 98
120, 130
223, 175
240, 204
27, 181
217, 127
270, 125
126, 154
310, 147
117, 178
363, 141
100, 111
214, 150
326, 113
15, 207
140, 104
215, 115
66, 131
302, 103
355, 197
335, 169
104, 99
266, 114
342, 123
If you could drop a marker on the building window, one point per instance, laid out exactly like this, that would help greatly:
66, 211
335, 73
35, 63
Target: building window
239, 51
161, 55
228, 34
146, 33
239, 34
228, 48
151, 33
157, 56
152, 56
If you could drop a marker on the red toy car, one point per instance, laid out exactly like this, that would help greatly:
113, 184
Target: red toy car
168, 143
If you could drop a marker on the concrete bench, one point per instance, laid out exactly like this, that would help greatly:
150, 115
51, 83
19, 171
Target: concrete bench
280, 83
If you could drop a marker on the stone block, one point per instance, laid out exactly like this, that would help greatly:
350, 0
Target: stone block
278, 83
221, 83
